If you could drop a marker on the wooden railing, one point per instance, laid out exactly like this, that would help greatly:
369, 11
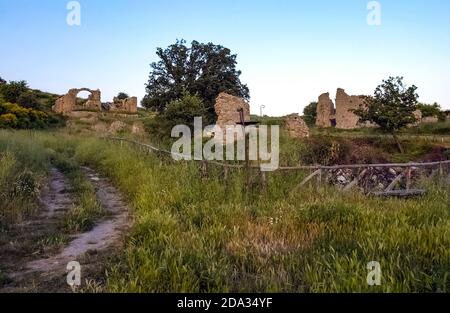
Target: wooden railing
407, 169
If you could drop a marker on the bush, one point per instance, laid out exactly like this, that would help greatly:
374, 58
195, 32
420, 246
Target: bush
28, 100
325, 150
18, 117
178, 112
12, 90
122, 96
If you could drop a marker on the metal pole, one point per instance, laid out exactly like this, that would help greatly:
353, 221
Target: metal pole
261, 110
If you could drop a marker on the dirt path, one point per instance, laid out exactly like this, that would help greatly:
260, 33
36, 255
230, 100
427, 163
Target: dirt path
51, 270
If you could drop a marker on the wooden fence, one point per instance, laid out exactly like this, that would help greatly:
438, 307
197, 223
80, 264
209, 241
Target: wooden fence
405, 170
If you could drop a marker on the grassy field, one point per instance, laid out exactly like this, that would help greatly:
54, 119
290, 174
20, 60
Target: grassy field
193, 233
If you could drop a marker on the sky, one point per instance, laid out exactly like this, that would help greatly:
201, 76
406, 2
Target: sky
289, 52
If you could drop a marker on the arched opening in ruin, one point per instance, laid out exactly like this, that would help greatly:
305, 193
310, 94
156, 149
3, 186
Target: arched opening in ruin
82, 97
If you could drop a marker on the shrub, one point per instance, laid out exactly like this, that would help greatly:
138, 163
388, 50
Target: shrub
18, 117
181, 111
28, 100
12, 90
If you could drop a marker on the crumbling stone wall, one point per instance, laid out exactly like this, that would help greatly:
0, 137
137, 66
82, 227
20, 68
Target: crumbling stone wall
68, 102
228, 117
325, 111
296, 126
226, 108
340, 116
125, 105
345, 118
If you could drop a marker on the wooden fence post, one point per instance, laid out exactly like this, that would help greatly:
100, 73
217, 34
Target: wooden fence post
263, 180
319, 177
408, 178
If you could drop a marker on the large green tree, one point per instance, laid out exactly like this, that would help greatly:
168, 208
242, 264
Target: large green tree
204, 70
310, 113
391, 107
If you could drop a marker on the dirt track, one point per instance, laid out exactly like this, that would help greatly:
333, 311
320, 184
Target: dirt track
48, 271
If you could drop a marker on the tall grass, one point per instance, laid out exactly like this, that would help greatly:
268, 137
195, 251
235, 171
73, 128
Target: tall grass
203, 234
196, 234
23, 164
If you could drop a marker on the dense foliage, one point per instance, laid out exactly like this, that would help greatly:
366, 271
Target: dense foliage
178, 112
431, 110
24, 108
202, 69
392, 106
122, 96
310, 114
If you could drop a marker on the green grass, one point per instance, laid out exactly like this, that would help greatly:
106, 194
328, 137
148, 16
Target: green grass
23, 166
87, 208
25, 162
202, 234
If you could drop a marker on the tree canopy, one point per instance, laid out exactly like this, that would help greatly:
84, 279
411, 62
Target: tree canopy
310, 113
391, 108
204, 70
122, 96
430, 110
11, 91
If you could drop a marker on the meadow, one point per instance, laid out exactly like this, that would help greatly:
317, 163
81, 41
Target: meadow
201, 233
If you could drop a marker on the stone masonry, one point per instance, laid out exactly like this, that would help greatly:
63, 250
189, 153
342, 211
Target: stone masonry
325, 111
126, 105
296, 126
228, 117
226, 108
340, 116
68, 102
345, 118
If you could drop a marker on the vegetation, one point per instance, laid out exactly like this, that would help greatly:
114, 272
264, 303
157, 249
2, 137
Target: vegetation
178, 112
431, 110
310, 114
391, 107
11, 91
87, 208
24, 108
122, 96
23, 165
202, 234
202, 69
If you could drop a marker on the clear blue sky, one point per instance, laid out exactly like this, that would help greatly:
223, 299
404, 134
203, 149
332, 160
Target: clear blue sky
289, 51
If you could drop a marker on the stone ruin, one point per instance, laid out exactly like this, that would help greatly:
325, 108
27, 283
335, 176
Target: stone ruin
341, 115
296, 126
227, 107
228, 116
68, 103
123, 105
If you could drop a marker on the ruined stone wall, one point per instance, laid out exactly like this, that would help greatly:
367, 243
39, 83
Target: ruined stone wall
226, 108
94, 101
325, 111
345, 118
68, 102
296, 126
125, 105
430, 119
341, 115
